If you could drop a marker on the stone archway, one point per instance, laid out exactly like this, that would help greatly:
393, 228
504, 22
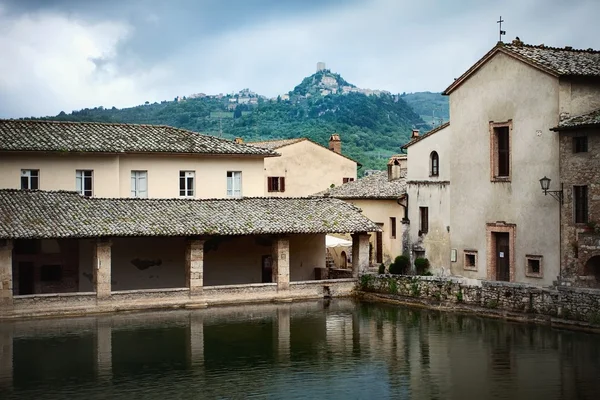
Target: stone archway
592, 268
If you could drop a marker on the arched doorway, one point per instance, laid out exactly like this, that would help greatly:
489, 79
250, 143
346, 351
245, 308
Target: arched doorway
592, 268
344, 260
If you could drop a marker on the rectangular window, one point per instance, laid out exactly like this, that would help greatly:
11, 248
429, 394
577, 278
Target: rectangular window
139, 184
234, 183
84, 182
470, 262
580, 198
534, 266
424, 219
393, 227
500, 151
580, 144
346, 180
276, 184
30, 179
186, 183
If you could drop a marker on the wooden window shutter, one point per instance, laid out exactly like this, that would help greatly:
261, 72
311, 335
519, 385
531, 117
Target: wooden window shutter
282, 184
269, 184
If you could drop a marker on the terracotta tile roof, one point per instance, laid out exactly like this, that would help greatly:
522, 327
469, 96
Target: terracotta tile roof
59, 214
374, 186
591, 119
279, 143
553, 60
25, 135
426, 134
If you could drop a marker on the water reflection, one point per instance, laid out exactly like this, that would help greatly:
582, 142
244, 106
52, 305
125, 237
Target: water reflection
300, 350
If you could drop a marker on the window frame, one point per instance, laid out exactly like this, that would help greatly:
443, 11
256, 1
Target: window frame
580, 144
423, 220
135, 183
29, 176
495, 128
231, 192
466, 255
276, 184
434, 171
581, 210
393, 227
346, 180
528, 272
184, 177
81, 188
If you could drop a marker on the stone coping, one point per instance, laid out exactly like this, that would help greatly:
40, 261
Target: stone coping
51, 295
323, 281
144, 291
241, 286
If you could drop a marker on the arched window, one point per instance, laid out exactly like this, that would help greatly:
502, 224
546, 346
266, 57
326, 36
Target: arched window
435, 163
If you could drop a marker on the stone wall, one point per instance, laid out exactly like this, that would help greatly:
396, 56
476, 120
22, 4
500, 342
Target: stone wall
566, 304
577, 242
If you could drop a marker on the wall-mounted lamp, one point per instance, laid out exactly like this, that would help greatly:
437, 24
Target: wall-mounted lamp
557, 194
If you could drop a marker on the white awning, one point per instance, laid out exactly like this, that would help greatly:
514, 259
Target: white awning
332, 241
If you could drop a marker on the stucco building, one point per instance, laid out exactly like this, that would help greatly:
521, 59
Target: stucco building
498, 146
100, 217
305, 167
381, 197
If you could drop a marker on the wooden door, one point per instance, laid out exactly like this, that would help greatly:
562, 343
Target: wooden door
379, 248
267, 269
502, 256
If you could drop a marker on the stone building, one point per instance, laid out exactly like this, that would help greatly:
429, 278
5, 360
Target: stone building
381, 197
579, 140
499, 145
305, 167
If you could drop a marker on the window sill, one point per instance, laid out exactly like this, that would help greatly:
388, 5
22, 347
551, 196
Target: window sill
501, 179
532, 275
470, 268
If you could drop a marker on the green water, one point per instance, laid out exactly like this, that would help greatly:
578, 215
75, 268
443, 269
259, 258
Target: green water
314, 350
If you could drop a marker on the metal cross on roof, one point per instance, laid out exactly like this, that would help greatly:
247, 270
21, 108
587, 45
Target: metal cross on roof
500, 21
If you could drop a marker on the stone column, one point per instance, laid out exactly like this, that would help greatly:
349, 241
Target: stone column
104, 348
281, 263
283, 333
196, 337
360, 253
6, 278
102, 268
194, 266
6, 355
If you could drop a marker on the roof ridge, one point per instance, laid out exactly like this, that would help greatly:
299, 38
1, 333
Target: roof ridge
544, 47
277, 140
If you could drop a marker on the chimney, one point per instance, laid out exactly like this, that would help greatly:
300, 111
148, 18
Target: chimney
397, 167
239, 140
415, 133
335, 143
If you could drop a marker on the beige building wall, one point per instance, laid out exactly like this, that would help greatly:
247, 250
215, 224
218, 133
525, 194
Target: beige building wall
153, 263
308, 168
505, 89
432, 192
380, 212
112, 173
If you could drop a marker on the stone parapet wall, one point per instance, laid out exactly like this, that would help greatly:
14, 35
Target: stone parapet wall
569, 304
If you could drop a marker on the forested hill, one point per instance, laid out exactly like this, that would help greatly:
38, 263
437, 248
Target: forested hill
372, 124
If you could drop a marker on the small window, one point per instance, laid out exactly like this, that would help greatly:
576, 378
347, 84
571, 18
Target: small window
470, 262
435, 163
346, 180
186, 183
84, 182
276, 184
393, 227
580, 144
424, 220
580, 199
234, 184
139, 184
500, 154
30, 179
534, 266
50, 273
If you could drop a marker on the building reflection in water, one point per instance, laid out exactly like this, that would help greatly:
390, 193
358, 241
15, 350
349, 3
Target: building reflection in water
295, 350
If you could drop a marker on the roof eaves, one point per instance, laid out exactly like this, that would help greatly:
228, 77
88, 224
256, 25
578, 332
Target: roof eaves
426, 135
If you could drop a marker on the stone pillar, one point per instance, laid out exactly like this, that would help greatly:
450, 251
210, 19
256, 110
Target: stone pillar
104, 348
102, 268
6, 278
6, 355
283, 333
360, 253
194, 266
196, 340
281, 263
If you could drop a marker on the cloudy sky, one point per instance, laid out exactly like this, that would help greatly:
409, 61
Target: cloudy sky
60, 55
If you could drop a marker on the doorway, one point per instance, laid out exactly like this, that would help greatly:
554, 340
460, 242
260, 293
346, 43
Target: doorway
502, 256
267, 269
26, 278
